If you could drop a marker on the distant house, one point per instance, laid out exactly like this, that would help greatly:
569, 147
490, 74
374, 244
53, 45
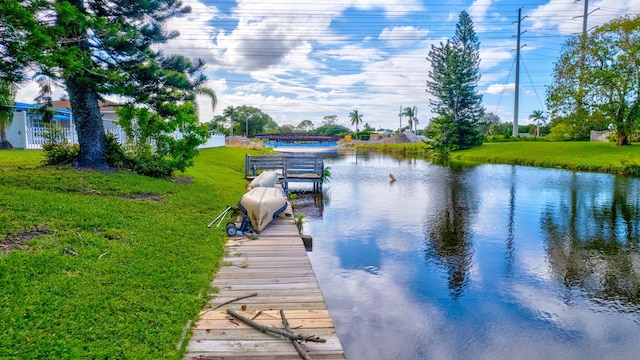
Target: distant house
27, 127
375, 136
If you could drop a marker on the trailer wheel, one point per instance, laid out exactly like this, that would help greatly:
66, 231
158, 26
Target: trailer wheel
231, 229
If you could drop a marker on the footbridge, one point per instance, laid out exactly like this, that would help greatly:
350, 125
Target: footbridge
297, 137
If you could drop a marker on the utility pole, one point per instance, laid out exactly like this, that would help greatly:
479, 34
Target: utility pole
584, 20
583, 49
584, 16
400, 115
514, 132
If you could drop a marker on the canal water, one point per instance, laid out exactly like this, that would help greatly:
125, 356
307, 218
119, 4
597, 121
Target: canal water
476, 262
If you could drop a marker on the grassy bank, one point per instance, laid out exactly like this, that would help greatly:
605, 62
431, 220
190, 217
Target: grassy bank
412, 149
107, 265
582, 156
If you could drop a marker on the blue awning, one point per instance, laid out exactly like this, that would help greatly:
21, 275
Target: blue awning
60, 114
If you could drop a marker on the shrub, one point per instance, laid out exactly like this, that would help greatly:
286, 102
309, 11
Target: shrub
57, 150
152, 148
60, 153
139, 158
561, 132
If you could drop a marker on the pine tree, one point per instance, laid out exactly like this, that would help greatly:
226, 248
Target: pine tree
97, 48
452, 82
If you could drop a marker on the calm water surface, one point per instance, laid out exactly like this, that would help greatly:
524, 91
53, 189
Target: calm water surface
483, 262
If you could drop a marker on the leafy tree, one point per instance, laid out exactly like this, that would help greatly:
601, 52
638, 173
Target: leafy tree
527, 129
452, 82
253, 120
356, 118
488, 124
250, 120
271, 127
538, 117
98, 48
7, 99
305, 126
562, 131
287, 128
217, 124
330, 120
596, 82
337, 130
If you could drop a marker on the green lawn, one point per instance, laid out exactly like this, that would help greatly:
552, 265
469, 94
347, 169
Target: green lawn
108, 265
584, 156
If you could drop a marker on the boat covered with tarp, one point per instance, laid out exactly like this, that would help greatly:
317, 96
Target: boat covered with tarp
261, 205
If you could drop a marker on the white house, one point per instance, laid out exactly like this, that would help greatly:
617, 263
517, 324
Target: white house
27, 127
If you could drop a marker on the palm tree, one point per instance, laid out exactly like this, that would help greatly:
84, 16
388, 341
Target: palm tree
411, 113
356, 119
208, 93
230, 113
538, 117
7, 98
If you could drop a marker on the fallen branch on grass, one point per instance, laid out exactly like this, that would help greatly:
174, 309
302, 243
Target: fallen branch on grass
266, 329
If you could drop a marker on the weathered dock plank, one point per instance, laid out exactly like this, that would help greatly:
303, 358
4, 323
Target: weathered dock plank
276, 268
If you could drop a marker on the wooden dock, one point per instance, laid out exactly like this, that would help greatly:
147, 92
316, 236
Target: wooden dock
277, 268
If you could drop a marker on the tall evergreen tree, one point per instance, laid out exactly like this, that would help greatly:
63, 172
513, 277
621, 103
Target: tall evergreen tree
97, 48
452, 83
20, 37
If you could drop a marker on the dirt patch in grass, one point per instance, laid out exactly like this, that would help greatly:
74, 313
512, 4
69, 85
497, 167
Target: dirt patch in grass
14, 240
143, 196
182, 180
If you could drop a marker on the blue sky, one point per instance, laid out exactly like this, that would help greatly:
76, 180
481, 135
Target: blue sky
303, 60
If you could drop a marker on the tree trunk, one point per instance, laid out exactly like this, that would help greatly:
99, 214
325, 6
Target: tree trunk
4, 142
5, 145
623, 139
89, 126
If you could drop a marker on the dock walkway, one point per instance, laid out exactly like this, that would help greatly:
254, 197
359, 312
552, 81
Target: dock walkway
277, 268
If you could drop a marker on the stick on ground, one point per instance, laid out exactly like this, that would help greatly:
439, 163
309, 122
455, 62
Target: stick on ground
230, 301
265, 329
299, 348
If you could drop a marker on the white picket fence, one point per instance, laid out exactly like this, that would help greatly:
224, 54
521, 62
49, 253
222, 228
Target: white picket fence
36, 137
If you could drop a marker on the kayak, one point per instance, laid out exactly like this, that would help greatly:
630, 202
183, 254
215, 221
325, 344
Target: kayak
265, 179
261, 205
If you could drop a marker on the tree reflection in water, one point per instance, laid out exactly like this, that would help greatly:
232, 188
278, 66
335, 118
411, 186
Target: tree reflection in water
447, 234
592, 244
